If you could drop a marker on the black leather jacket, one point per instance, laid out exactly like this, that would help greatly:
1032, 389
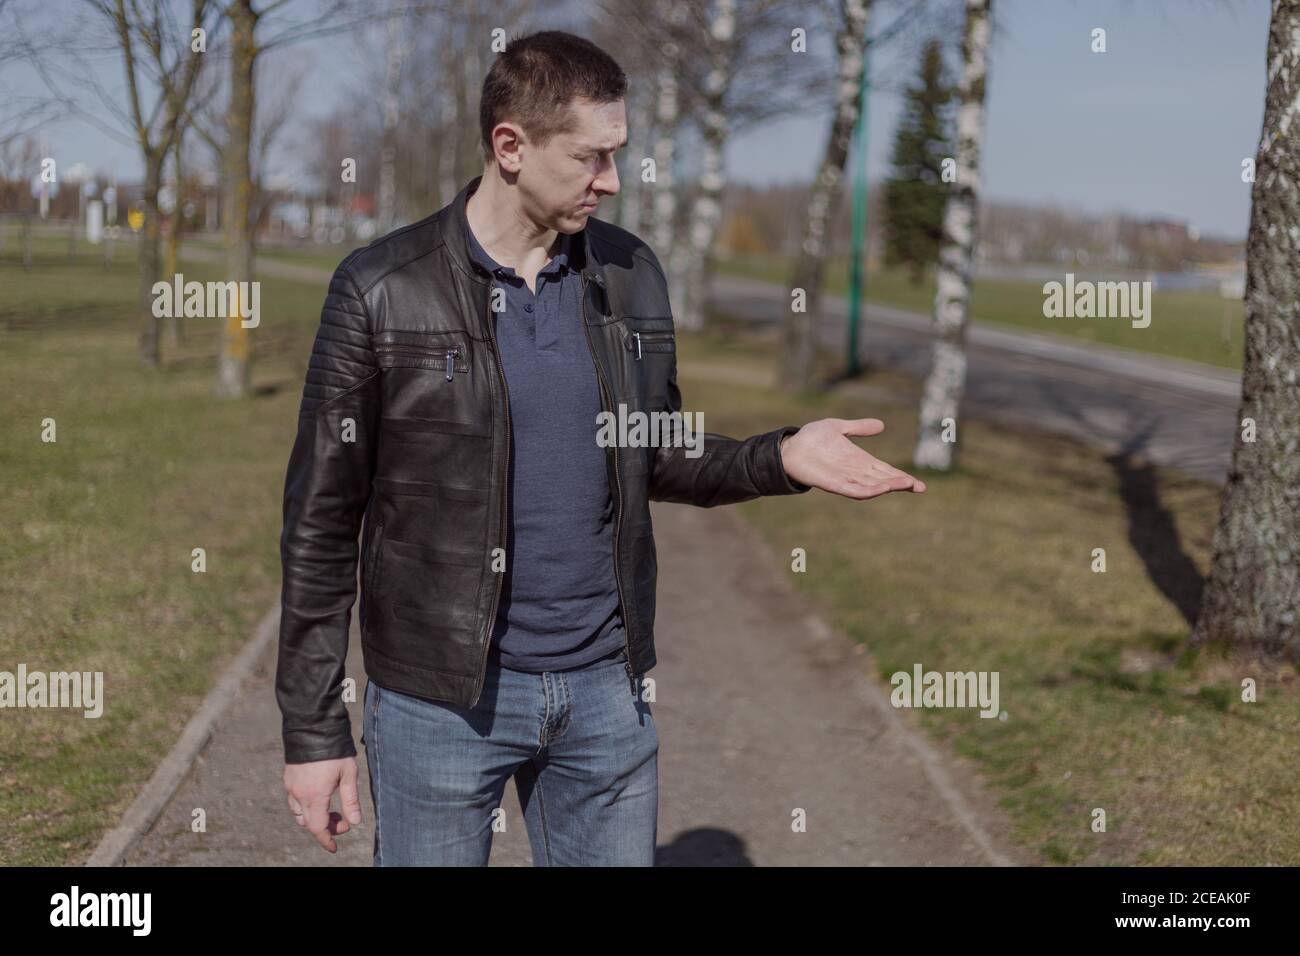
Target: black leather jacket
405, 424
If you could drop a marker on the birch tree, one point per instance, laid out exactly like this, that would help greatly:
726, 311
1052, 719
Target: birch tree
667, 124
942, 393
800, 332
706, 212
1252, 597
721, 67
743, 70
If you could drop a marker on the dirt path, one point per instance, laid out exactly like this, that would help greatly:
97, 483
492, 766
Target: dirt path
760, 710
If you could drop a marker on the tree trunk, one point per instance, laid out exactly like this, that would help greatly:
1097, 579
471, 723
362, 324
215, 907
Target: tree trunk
944, 386
397, 48
706, 211
800, 349
632, 191
150, 261
667, 108
448, 143
175, 328
1252, 597
235, 361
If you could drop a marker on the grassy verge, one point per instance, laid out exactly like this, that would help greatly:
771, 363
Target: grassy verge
990, 570
95, 572
1199, 326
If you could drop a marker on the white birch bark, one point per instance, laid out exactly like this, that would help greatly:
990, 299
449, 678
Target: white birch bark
946, 382
800, 327
667, 107
706, 211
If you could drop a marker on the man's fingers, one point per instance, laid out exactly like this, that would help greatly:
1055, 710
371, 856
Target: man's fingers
299, 816
318, 820
863, 426
874, 487
351, 803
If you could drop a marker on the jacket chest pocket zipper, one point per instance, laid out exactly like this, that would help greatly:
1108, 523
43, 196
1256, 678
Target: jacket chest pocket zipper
640, 342
449, 359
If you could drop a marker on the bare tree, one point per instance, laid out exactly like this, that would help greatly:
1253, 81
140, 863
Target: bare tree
1252, 597
720, 67
252, 35
800, 327
159, 55
946, 382
741, 72
21, 114
398, 48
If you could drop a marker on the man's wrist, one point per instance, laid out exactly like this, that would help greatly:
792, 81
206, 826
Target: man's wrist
794, 485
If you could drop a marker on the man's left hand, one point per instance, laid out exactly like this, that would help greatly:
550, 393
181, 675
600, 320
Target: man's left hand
822, 454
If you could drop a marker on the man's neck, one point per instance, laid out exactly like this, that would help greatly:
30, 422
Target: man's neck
504, 232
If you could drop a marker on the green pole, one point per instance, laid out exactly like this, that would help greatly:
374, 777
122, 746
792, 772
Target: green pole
857, 274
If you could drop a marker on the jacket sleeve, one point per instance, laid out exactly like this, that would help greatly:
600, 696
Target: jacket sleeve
728, 470
326, 491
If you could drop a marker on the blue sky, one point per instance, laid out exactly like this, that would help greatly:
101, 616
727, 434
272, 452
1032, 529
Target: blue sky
1157, 125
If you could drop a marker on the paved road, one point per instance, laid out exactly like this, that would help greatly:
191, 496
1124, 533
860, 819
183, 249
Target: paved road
1174, 413
760, 710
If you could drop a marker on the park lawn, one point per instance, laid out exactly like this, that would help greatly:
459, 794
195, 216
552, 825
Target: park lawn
95, 574
989, 570
1198, 326
325, 255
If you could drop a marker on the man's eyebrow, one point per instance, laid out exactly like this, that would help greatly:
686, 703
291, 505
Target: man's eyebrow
599, 149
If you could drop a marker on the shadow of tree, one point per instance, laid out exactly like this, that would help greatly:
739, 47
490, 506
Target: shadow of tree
1152, 531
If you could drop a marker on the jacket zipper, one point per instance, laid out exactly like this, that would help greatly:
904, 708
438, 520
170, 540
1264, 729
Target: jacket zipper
505, 482
618, 520
452, 352
649, 337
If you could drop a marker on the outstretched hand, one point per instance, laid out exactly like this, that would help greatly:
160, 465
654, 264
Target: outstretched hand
822, 454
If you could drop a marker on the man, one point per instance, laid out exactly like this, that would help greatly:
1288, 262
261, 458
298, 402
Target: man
507, 558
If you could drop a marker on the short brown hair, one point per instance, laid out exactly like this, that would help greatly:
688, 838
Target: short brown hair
535, 79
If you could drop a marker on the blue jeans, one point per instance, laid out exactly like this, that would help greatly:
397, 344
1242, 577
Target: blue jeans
581, 745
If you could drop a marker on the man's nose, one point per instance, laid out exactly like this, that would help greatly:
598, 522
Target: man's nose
607, 180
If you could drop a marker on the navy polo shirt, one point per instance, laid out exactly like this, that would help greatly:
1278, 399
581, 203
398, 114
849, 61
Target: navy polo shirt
559, 597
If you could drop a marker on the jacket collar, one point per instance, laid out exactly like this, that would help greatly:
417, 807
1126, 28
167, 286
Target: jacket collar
582, 256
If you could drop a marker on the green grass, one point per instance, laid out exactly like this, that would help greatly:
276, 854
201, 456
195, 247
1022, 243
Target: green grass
95, 570
989, 570
1198, 326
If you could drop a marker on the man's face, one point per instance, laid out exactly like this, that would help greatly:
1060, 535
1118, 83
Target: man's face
561, 182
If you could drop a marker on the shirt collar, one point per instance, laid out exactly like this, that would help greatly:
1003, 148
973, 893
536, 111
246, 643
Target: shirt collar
559, 262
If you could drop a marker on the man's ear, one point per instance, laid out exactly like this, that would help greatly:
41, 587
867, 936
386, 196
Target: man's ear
507, 141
